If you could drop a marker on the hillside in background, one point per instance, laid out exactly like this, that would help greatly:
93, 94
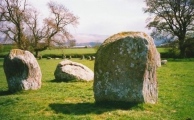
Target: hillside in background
94, 39
89, 38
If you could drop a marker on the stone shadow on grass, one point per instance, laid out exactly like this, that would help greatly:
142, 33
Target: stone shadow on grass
5, 93
59, 81
55, 81
87, 108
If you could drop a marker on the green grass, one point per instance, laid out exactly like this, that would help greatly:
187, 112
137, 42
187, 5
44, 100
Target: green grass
4, 50
75, 100
69, 51
163, 50
6, 47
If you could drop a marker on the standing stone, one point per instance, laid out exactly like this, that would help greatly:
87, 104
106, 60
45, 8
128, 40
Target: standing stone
49, 58
89, 58
63, 56
82, 57
125, 69
158, 59
68, 70
22, 71
93, 58
39, 56
163, 62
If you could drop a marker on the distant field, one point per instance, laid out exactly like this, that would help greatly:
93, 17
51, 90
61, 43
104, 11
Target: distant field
84, 51
75, 100
58, 52
70, 51
4, 49
163, 50
74, 52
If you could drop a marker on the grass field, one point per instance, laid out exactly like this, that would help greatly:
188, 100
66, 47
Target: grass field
58, 52
75, 100
163, 50
70, 51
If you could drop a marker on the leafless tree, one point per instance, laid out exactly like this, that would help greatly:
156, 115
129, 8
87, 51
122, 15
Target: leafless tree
20, 23
72, 43
35, 32
57, 23
12, 21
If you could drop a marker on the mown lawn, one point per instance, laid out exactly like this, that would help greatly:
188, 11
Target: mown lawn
69, 51
75, 101
58, 52
163, 50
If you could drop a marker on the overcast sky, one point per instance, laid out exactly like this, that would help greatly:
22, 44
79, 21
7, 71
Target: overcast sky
103, 17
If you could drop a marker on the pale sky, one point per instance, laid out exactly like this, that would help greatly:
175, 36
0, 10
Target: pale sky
103, 17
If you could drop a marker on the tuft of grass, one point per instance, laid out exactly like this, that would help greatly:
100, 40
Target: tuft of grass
75, 100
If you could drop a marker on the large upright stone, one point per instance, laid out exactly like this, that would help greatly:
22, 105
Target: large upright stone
22, 71
125, 69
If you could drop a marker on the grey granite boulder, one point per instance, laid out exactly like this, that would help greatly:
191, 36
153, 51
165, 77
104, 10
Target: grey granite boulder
68, 70
22, 71
164, 62
125, 69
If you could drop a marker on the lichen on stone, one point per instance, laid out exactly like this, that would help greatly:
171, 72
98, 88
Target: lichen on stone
121, 68
22, 71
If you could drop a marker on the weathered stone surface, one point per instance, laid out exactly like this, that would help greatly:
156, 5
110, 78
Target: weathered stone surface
164, 62
68, 70
125, 69
93, 57
22, 71
89, 58
158, 59
82, 57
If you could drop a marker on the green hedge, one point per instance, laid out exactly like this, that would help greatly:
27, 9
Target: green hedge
174, 53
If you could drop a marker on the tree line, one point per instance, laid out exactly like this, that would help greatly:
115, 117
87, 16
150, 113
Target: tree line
20, 22
172, 20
